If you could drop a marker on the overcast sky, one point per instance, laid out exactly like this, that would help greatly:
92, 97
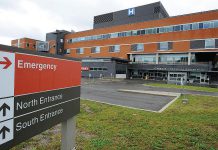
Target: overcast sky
34, 18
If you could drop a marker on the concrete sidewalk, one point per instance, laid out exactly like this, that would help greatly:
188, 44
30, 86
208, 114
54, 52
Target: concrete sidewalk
161, 93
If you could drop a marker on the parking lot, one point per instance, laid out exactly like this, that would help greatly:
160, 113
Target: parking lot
107, 92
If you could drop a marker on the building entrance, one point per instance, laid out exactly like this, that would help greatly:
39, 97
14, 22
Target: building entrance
176, 77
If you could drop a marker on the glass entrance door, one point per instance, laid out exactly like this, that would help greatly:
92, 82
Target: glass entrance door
176, 77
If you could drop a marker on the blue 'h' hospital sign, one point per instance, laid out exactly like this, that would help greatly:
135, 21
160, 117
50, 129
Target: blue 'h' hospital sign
131, 11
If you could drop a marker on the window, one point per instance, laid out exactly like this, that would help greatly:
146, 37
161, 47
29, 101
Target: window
115, 48
129, 33
134, 32
154, 30
165, 45
195, 26
142, 32
201, 26
177, 28
99, 37
207, 25
161, 30
169, 29
114, 35
27, 45
95, 49
186, 27
68, 51
173, 58
215, 23
140, 47
148, 59
105, 36
122, 34
210, 43
197, 44
138, 32
149, 31
137, 47
79, 50
98, 69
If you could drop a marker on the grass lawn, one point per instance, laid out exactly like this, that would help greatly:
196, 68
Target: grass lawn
187, 87
99, 126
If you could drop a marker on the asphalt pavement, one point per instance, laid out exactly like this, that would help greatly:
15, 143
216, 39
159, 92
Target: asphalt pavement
108, 92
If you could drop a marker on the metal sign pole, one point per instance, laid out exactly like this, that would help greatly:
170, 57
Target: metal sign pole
68, 134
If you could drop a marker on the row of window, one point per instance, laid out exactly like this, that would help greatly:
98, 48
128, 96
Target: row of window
157, 30
98, 69
207, 43
162, 59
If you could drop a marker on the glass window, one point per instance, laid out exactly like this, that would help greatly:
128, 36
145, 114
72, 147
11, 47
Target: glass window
106, 36
210, 43
208, 25
200, 25
177, 28
173, 58
123, 34
138, 32
134, 32
149, 31
186, 27
150, 59
142, 32
146, 31
215, 23
120, 34
128, 33
79, 50
99, 37
95, 49
195, 26
115, 48
137, 47
95, 37
68, 51
169, 29
114, 35
100, 69
164, 45
157, 30
154, 30
98, 49
140, 47
161, 30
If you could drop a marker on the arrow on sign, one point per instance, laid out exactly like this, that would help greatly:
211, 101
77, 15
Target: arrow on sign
4, 107
7, 62
3, 131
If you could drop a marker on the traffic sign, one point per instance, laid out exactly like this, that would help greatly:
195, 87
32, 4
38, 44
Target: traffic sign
36, 93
